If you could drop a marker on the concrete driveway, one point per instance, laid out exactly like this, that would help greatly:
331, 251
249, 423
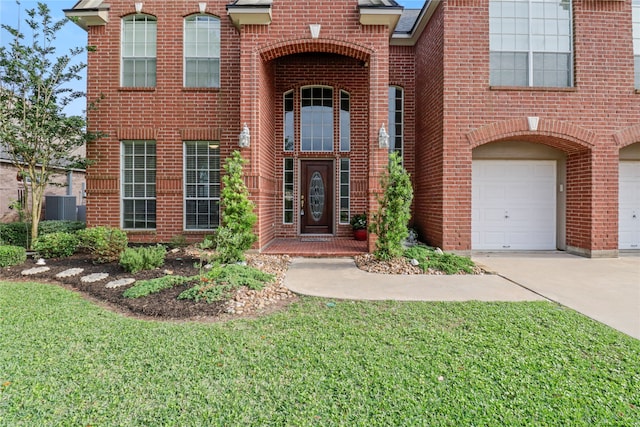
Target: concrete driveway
606, 289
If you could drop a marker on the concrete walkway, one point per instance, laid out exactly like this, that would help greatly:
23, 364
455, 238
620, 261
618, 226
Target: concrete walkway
607, 290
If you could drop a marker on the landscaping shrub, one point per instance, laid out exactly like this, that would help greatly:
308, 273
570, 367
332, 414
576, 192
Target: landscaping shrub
54, 226
153, 286
15, 233
429, 258
56, 245
12, 255
235, 235
391, 220
218, 282
104, 243
143, 258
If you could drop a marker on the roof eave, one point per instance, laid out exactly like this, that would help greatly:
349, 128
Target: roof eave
249, 15
86, 18
375, 15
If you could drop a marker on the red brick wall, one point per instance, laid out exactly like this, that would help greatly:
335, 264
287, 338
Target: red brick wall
402, 73
169, 113
428, 212
163, 113
581, 120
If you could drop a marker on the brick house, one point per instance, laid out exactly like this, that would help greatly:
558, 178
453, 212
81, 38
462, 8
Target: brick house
518, 120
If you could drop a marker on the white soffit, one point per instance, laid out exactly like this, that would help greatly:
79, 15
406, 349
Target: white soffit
88, 13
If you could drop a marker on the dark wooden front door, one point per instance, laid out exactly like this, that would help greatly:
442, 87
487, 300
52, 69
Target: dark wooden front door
316, 197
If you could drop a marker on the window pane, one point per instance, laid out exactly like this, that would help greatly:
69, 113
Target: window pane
316, 127
530, 27
202, 51
138, 185
139, 51
288, 189
202, 185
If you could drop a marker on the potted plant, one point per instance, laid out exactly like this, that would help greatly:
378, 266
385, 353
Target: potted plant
359, 226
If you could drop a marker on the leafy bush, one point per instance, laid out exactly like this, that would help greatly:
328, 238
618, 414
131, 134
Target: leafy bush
56, 245
428, 258
235, 235
104, 243
218, 283
143, 258
15, 233
394, 210
12, 255
48, 227
153, 286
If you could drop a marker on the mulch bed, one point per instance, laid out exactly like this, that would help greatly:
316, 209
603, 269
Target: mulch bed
161, 305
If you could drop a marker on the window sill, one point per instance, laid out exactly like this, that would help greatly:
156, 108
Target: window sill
139, 231
201, 89
533, 89
137, 89
637, 91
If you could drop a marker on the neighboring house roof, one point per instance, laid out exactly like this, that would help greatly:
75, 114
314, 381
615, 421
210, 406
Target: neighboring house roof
6, 158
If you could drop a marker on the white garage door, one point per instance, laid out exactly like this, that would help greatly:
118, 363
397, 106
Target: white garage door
629, 199
514, 205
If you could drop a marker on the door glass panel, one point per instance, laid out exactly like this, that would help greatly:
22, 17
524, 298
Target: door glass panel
316, 196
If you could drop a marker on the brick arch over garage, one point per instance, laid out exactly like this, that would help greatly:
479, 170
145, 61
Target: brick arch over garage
564, 136
628, 136
291, 47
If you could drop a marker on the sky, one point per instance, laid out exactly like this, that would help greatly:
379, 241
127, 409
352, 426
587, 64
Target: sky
72, 36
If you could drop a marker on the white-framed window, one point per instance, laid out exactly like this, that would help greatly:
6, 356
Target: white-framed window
396, 120
531, 43
316, 118
345, 190
201, 185
138, 165
288, 191
636, 41
289, 121
202, 51
138, 49
345, 121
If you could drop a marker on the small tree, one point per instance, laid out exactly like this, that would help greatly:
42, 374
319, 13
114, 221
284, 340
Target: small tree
390, 222
235, 235
39, 138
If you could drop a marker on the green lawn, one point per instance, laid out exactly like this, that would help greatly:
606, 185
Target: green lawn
65, 361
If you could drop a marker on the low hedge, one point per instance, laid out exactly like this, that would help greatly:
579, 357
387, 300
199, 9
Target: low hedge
19, 233
12, 255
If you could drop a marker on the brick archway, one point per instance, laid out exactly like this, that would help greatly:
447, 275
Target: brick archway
628, 136
290, 47
562, 135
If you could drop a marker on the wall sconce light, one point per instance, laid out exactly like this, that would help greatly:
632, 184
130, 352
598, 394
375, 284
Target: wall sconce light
138, 6
203, 7
383, 138
244, 139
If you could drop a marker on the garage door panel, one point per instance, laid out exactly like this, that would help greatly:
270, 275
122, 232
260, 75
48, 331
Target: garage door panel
629, 205
514, 205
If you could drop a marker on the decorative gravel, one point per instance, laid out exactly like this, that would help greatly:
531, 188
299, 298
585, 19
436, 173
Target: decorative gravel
95, 277
69, 272
34, 270
120, 282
